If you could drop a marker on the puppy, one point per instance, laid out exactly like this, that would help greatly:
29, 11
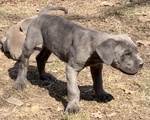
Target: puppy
79, 47
15, 36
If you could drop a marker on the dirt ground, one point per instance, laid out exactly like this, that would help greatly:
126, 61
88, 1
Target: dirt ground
46, 101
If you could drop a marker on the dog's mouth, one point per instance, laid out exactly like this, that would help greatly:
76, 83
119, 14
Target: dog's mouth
7, 54
128, 73
125, 70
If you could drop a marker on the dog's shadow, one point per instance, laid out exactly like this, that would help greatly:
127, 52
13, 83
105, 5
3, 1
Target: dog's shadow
57, 88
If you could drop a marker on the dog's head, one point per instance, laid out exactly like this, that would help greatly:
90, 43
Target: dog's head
120, 52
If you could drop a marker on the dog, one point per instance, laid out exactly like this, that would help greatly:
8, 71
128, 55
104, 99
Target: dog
79, 47
13, 41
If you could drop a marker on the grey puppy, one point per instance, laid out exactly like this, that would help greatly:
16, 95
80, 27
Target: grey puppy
78, 47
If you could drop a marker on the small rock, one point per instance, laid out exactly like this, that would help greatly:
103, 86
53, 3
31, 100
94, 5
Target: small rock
14, 101
111, 114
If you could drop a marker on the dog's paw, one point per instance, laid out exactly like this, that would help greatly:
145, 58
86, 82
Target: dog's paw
19, 85
72, 109
46, 77
104, 97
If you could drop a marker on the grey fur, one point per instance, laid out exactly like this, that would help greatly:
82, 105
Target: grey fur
49, 7
78, 47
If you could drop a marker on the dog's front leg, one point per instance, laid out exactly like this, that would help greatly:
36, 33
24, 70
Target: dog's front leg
72, 90
22, 73
100, 93
23, 65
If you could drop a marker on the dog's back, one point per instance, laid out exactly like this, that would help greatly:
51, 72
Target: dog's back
57, 33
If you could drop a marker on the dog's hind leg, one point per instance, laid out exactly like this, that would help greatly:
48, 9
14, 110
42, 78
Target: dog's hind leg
41, 60
32, 40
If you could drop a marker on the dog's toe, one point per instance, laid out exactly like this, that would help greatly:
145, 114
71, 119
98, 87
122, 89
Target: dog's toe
19, 85
105, 97
72, 109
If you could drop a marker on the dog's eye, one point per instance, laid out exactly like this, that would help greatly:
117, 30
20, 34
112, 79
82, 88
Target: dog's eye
128, 53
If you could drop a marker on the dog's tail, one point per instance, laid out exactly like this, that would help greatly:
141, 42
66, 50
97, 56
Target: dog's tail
48, 8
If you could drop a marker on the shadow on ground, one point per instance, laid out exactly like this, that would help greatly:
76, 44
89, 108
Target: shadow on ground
57, 88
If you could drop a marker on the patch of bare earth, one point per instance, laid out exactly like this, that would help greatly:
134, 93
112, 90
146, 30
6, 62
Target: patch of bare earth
47, 100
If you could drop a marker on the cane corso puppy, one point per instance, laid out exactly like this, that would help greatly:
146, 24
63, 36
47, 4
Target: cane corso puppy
79, 47
15, 36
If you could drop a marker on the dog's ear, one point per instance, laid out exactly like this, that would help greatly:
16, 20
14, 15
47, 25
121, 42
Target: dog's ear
25, 24
106, 51
3, 40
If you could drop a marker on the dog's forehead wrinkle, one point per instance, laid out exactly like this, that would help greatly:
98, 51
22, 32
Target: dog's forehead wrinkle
125, 38
125, 41
118, 38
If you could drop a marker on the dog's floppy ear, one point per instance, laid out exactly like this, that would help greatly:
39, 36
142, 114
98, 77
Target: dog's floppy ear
3, 40
25, 24
106, 51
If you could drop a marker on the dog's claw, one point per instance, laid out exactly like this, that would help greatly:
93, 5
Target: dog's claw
72, 109
19, 85
105, 97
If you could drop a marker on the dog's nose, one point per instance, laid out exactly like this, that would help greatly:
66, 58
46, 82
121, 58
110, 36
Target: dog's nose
141, 65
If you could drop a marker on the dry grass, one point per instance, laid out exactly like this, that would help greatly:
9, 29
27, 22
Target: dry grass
46, 101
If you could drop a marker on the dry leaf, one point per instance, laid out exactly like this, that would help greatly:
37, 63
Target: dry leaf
127, 91
14, 101
111, 114
54, 71
143, 42
58, 109
106, 3
144, 18
97, 115
1, 92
